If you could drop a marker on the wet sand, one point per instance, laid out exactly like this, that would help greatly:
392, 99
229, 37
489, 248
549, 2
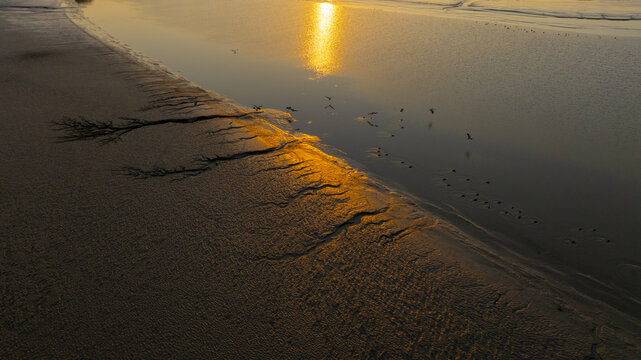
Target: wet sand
145, 216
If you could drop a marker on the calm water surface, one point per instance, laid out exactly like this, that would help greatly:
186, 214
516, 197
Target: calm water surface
552, 171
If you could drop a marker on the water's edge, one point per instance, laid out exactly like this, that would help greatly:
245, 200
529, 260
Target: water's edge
506, 260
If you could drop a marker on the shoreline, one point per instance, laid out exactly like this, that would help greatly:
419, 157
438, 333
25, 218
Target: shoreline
358, 216
547, 233
487, 246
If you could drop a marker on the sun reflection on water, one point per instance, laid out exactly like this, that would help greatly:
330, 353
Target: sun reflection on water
322, 39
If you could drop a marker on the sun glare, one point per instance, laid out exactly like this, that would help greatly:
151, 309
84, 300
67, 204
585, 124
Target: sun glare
322, 39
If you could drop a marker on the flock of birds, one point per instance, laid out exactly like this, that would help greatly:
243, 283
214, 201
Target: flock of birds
369, 118
478, 194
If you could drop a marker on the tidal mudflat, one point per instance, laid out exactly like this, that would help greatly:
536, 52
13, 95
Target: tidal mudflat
521, 127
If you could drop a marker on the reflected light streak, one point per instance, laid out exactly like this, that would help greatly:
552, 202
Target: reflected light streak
322, 39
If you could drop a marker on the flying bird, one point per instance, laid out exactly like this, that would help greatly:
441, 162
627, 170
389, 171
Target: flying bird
373, 113
257, 107
432, 110
469, 137
330, 106
235, 51
328, 98
291, 109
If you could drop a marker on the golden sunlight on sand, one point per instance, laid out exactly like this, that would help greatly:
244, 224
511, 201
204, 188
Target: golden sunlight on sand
322, 40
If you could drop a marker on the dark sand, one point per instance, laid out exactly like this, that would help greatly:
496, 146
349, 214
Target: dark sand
135, 224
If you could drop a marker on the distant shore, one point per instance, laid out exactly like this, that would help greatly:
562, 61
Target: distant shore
145, 216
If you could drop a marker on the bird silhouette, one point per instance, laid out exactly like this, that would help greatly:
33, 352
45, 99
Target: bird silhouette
235, 51
328, 98
432, 110
330, 106
373, 113
291, 109
469, 137
257, 107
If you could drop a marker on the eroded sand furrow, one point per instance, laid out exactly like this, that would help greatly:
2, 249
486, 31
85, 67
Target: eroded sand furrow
311, 189
281, 167
327, 237
139, 173
80, 128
